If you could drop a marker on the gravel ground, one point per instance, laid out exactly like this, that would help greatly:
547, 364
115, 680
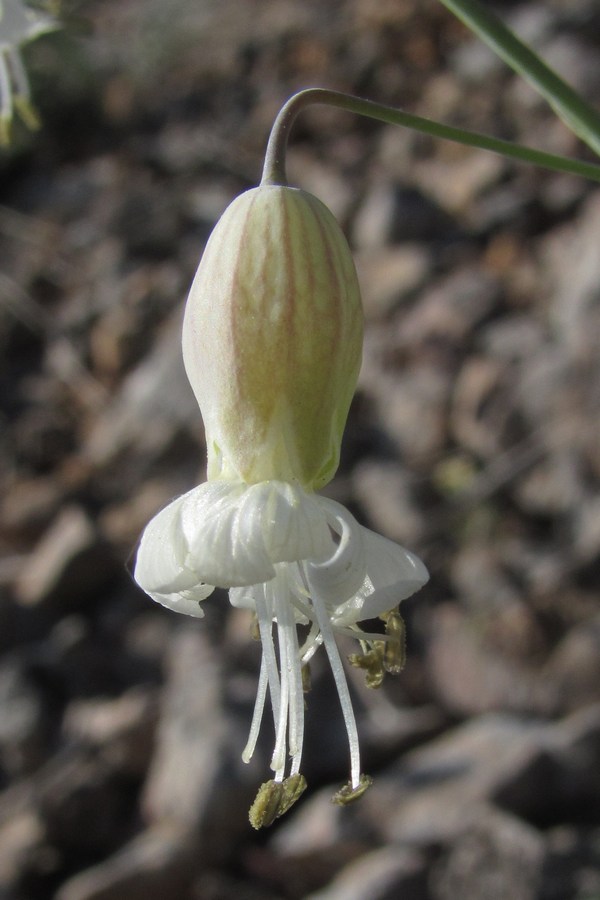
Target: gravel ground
474, 439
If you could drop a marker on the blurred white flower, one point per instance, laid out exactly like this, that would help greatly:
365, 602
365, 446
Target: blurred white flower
19, 24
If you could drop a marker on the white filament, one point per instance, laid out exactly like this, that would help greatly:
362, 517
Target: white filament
259, 706
285, 664
341, 684
264, 612
296, 701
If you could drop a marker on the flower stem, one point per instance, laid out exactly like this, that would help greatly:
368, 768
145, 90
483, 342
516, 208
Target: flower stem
274, 167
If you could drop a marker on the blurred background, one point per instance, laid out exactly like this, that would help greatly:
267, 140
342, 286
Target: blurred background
474, 439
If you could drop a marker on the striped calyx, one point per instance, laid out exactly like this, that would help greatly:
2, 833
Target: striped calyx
272, 339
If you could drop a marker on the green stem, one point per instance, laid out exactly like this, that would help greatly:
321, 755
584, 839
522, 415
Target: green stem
274, 167
578, 115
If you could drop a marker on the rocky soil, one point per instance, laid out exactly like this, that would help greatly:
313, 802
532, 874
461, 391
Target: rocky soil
474, 439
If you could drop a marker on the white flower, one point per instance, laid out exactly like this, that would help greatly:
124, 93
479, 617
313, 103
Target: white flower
19, 24
272, 341
295, 559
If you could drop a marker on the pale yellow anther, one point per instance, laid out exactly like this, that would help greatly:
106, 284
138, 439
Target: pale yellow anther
394, 656
349, 794
265, 808
274, 798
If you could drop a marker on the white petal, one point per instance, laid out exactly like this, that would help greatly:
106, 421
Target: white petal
292, 522
217, 538
160, 567
185, 602
243, 597
230, 535
342, 575
393, 574
161, 558
236, 533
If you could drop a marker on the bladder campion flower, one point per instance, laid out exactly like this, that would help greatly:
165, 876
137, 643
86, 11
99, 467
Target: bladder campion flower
19, 24
272, 341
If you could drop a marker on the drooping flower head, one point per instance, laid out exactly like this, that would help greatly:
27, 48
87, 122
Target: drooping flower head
272, 341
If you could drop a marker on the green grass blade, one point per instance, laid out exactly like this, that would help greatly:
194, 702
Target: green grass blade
578, 115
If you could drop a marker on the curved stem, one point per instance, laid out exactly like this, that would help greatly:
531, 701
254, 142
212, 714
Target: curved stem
274, 167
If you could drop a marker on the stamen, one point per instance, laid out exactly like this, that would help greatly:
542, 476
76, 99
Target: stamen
394, 657
341, 684
293, 788
302, 607
358, 635
290, 726
265, 625
311, 644
265, 808
372, 663
349, 793
259, 706
274, 798
279, 753
296, 703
